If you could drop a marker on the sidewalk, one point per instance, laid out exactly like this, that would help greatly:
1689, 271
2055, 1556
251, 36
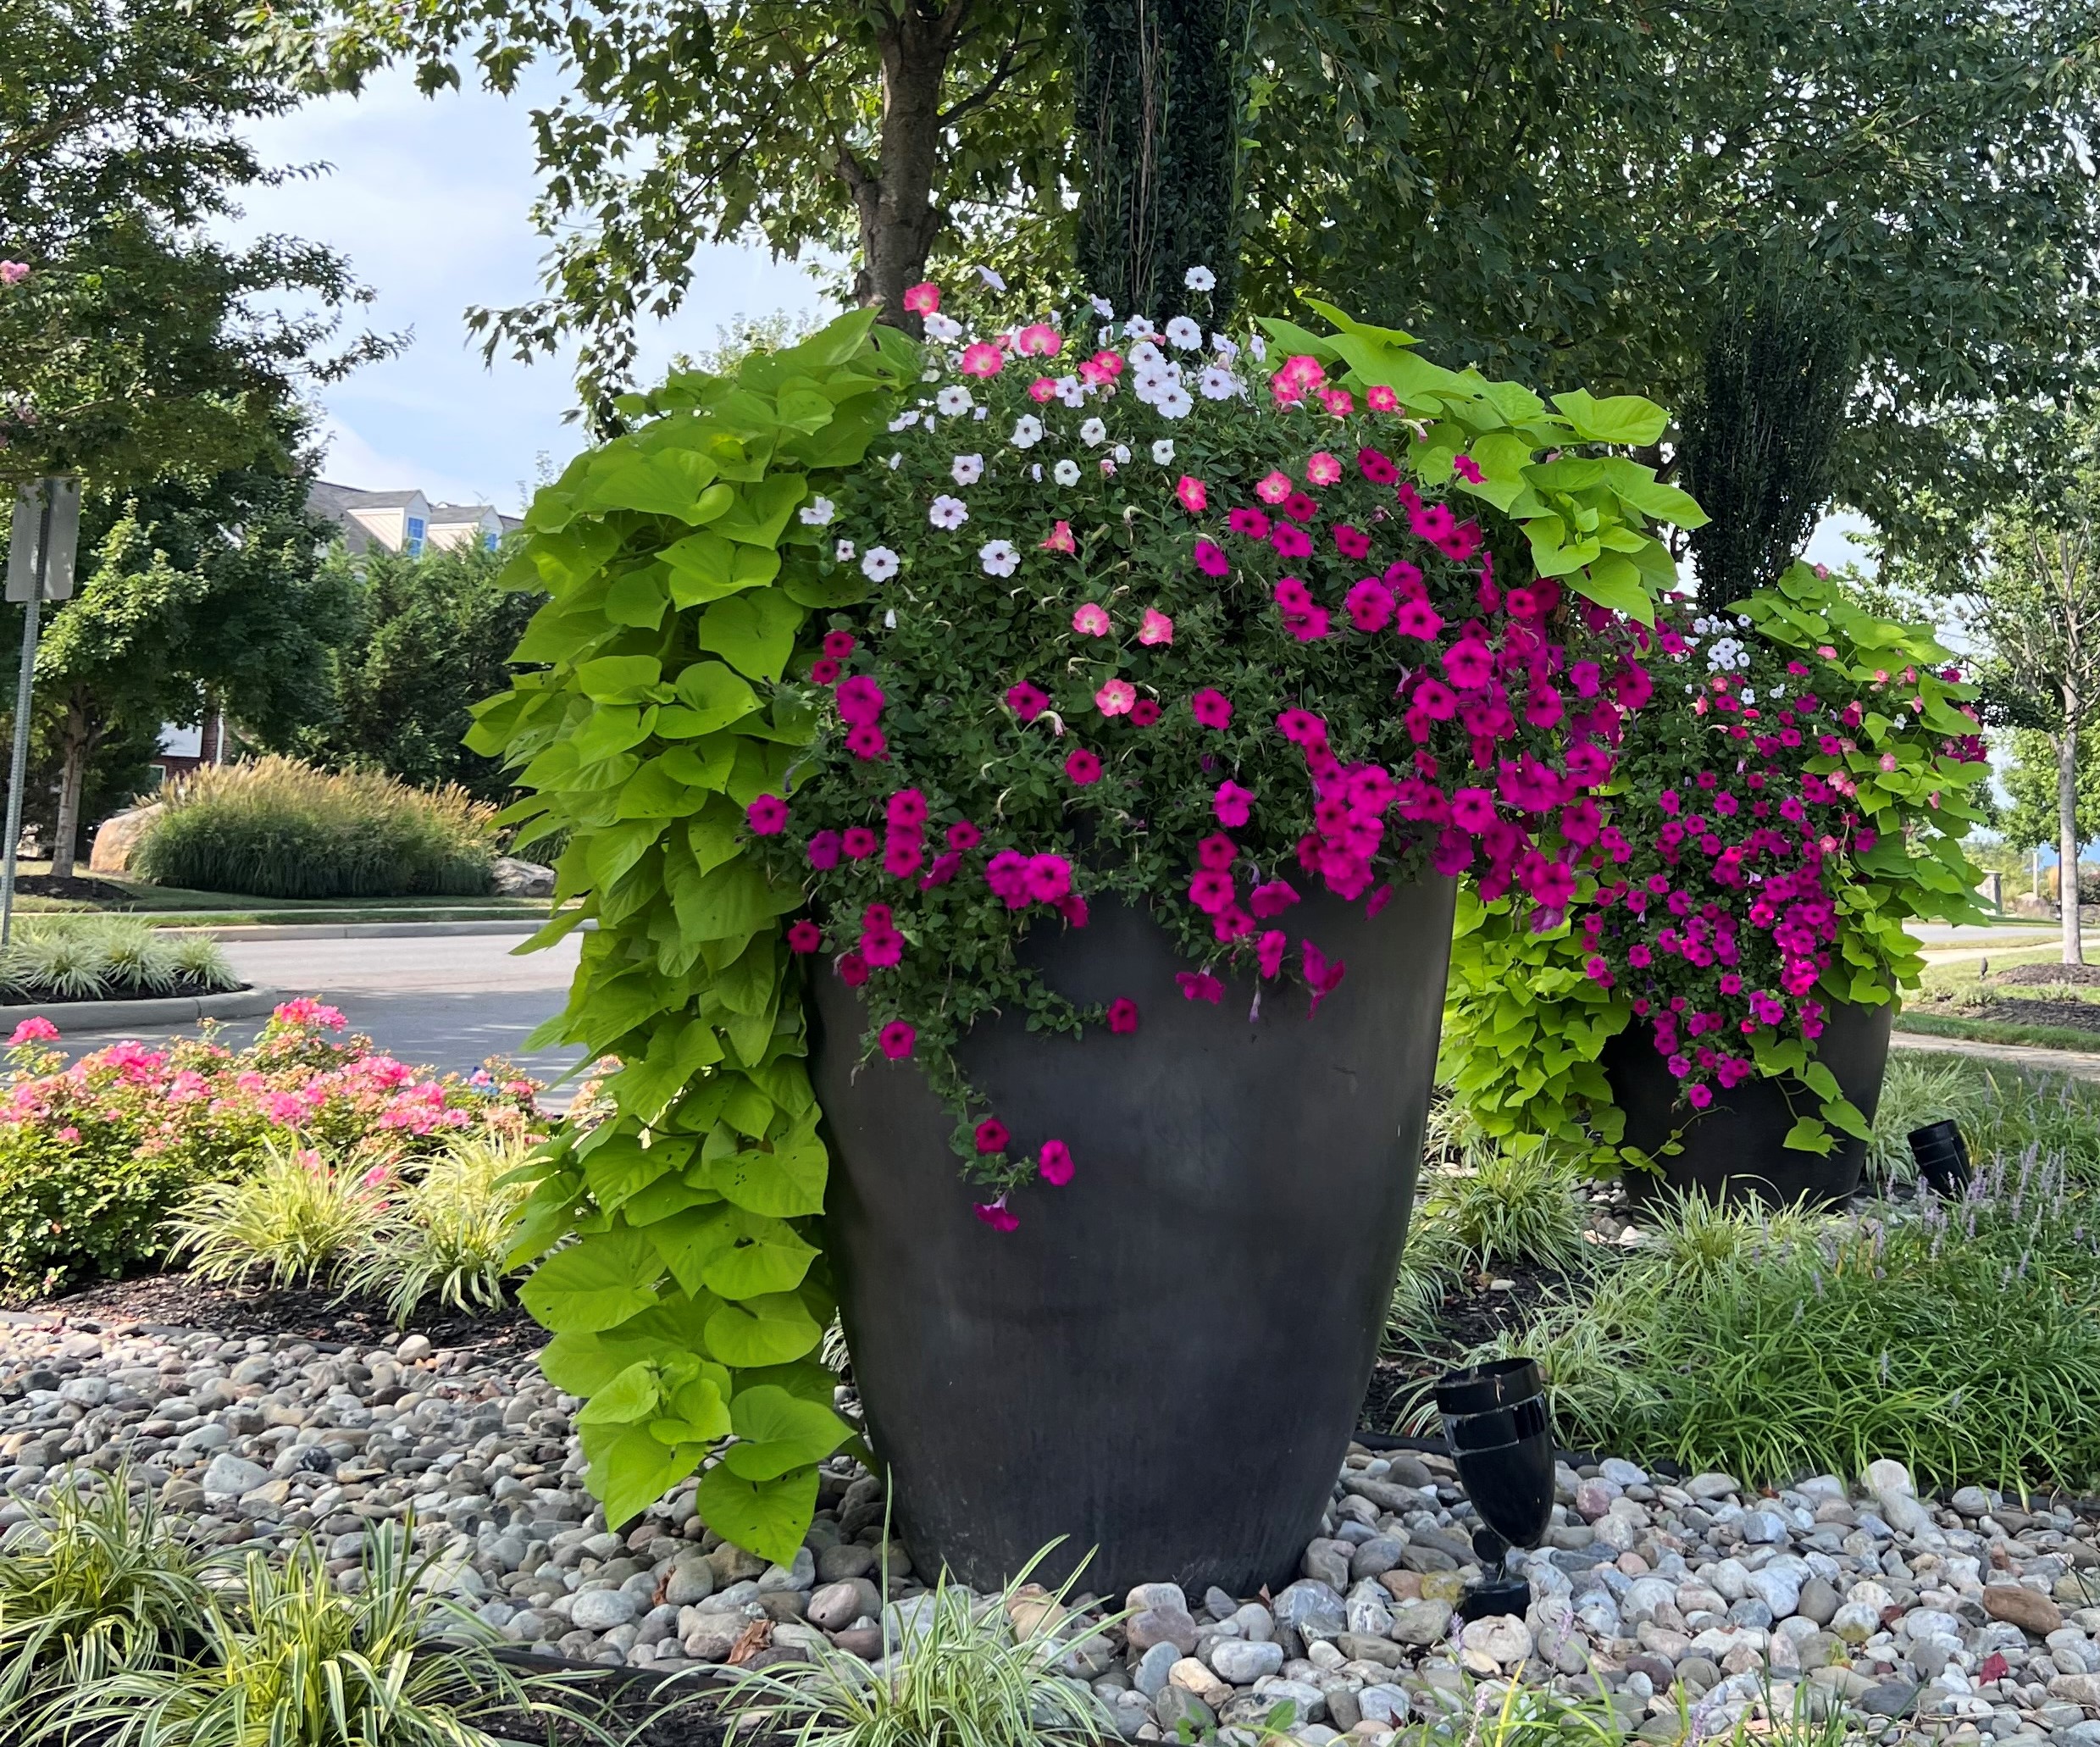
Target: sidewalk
2077, 1064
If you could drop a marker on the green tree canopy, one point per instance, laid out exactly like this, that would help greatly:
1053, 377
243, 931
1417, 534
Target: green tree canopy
428, 639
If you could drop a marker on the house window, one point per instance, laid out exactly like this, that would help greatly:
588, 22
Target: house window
489, 542
413, 545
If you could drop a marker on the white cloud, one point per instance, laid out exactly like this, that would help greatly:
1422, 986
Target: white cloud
429, 198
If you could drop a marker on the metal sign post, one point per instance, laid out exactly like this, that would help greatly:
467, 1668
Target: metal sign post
41, 543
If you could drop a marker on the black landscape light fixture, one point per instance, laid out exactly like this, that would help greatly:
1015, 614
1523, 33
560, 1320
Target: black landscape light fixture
1943, 1158
1495, 1420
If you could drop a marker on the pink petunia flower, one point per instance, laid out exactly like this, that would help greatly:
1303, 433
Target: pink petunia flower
1275, 488
1060, 539
922, 299
982, 359
1091, 620
1038, 340
1322, 469
1157, 630
1381, 399
1193, 496
1116, 697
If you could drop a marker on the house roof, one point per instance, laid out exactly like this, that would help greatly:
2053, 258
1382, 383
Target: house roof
331, 499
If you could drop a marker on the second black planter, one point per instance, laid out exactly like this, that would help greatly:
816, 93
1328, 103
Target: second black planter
1165, 1361
1737, 1146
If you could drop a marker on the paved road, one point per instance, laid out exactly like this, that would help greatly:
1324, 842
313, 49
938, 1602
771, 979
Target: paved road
445, 1001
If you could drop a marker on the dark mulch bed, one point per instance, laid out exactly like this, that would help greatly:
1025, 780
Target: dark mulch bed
2074, 1015
1473, 1314
180, 1302
74, 885
183, 988
2057, 974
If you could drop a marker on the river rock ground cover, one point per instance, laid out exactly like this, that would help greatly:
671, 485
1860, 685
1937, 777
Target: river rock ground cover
1688, 1602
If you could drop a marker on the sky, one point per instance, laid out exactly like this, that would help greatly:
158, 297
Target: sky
430, 200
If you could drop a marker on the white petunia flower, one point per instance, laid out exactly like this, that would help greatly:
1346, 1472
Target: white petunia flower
1174, 402
1199, 279
948, 513
1146, 384
999, 558
1121, 452
1035, 471
890, 619
816, 511
1103, 309
1218, 383
1092, 431
1139, 328
1224, 347
1748, 695
930, 373
1258, 346
990, 276
1066, 473
980, 412
1071, 392
1144, 354
1184, 333
966, 469
879, 565
954, 401
844, 552
941, 328
895, 462
1103, 335
1163, 451
1028, 431
903, 421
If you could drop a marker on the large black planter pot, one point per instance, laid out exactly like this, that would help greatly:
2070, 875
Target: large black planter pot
1736, 1148
1165, 1361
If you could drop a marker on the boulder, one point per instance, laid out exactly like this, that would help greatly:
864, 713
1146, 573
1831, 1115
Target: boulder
511, 876
119, 838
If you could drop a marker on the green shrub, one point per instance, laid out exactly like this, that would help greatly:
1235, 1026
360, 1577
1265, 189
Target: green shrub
74, 958
1491, 1206
279, 829
295, 1217
449, 1232
1962, 1339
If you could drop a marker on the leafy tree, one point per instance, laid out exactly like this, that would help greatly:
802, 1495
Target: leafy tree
2036, 611
135, 342
2031, 778
1759, 434
429, 640
887, 128
1159, 130
192, 591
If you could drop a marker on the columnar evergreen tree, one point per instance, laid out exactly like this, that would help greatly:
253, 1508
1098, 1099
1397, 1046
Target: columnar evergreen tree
1158, 128
1760, 435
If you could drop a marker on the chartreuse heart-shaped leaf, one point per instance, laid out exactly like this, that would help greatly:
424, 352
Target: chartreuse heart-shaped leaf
769, 1516
595, 1284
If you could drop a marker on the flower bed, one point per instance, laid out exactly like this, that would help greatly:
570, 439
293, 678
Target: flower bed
95, 1154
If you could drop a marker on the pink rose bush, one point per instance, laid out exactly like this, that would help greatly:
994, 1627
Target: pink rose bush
94, 1153
1253, 641
1795, 793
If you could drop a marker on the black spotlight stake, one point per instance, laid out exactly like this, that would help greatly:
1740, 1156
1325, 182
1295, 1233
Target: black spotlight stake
1942, 1159
1495, 1421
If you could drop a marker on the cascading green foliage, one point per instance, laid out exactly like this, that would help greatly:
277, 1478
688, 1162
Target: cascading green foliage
676, 1265
691, 1303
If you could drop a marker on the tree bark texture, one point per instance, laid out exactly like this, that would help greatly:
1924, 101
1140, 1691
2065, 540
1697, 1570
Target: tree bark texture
2067, 891
81, 735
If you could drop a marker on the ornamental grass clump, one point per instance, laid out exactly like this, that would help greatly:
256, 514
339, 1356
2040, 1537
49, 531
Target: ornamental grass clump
878, 659
1795, 794
278, 829
63, 957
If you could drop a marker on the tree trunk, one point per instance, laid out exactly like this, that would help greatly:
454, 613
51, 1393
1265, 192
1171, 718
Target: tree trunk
895, 199
2067, 832
78, 746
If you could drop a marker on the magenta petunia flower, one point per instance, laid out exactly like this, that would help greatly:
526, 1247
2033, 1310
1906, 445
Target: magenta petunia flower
1232, 804
1116, 697
1269, 953
823, 670
962, 835
1210, 559
1049, 877
883, 948
1376, 466
1026, 701
903, 856
1217, 850
1299, 507
944, 869
858, 843
1053, 1163
838, 644
823, 849
1369, 605
1252, 523
1472, 809
1467, 468
1469, 664
1302, 728
868, 742
1290, 542
852, 969
1144, 712
1082, 766
1192, 493
991, 1136
1122, 1016
1199, 985
995, 1215
897, 1039
906, 808
803, 936
860, 700
1323, 976
766, 816
1353, 543
1271, 899
1091, 620
1212, 708
1211, 890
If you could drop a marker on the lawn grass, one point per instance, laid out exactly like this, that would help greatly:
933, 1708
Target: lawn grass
177, 907
2044, 1037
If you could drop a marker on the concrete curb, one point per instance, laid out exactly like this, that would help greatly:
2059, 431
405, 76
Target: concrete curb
358, 930
165, 1010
